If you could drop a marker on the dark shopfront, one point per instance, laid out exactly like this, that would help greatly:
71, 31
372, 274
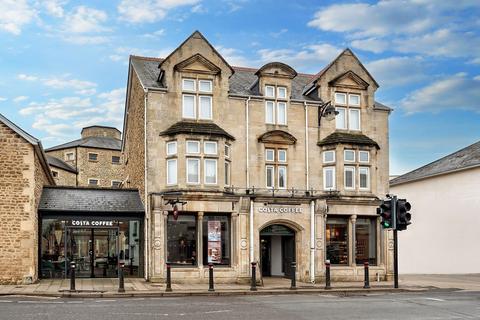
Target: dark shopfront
96, 240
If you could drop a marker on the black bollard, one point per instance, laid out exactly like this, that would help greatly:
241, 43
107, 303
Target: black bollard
253, 283
293, 285
169, 278
327, 275
72, 276
367, 280
121, 282
210, 277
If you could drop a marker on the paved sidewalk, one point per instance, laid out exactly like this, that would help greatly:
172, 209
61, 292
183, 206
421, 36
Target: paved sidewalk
138, 287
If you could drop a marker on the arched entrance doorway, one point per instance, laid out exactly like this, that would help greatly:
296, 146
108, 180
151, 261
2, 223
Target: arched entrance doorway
277, 250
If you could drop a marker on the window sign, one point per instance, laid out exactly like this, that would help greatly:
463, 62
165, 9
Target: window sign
214, 242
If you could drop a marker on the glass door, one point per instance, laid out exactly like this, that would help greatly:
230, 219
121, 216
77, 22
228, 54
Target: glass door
80, 251
105, 261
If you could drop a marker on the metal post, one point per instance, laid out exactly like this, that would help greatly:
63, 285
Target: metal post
72, 276
210, 277
293, 285
121, 282
366, 284
327, 275
169, 278
395, 259
253, 283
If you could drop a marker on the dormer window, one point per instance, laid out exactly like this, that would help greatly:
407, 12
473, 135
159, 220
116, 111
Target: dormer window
197, 99
348, 107
275, 111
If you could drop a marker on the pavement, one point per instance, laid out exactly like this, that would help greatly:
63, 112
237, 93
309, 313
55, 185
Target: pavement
135, 287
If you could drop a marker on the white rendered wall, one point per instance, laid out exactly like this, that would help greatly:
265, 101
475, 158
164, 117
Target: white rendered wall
276, 256
444, 236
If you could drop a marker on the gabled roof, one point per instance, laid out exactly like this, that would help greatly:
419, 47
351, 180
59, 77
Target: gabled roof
463, 159
348, 138
37, 145
88, 199
55, 162
190, 127
91, 142
196, 34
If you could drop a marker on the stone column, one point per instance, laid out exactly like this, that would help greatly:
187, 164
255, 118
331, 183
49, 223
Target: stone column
200, 241
158, 239
234, 239
353, 249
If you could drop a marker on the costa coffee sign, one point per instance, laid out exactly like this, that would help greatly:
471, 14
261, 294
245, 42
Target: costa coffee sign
280, 209
91, 223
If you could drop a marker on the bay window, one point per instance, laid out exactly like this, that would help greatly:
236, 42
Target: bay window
364, 173
172, 171
349, 175
329, 156
329, 178
210, 166
193, 169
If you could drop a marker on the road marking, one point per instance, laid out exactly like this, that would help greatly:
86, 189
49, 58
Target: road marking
100, 301
435, 299
5, 301
73, 302
218, 311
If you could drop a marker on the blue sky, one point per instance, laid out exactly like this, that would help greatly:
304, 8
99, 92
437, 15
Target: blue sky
64, 63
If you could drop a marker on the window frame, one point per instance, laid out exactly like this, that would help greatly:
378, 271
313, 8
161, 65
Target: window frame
278, 92
328, 151
334, 184
227, 153
345, 122
184, 95
69, 153
284, 168
205, 171
194, 84
367, 188
352, 170
91, 179
55, 173
169, 183
344, 94
187, 171
273, 91
96, 157
205, 143
197, 142
227, 173
363, 152
272, 167
118, 162
167, 148
117, 181
350, 110
354, 95
345, 155
266, 155
207, 81
273, 115
284, 151
278, 113
210, 107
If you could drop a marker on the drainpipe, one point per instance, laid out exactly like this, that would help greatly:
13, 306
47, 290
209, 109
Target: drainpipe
252, 256
312, 241
147, 204
307, 169
247, 138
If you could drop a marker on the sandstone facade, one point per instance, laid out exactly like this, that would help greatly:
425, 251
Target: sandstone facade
23, 173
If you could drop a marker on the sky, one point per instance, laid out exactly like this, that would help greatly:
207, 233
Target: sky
64, 64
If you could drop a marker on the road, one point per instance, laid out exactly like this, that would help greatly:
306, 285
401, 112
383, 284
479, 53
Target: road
427, 306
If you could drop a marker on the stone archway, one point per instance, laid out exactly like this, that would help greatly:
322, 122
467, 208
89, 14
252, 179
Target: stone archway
277, 248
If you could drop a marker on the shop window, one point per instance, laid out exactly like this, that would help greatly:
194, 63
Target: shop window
337, 240
115, 159
329, 178
366, 240
329, 156
182, 240
92, 156
216, 239
172, 171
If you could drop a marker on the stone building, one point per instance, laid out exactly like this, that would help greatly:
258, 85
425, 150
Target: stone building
24, 172
94, 160
238, 165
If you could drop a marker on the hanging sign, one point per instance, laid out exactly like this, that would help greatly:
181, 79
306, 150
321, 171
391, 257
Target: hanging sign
214, 242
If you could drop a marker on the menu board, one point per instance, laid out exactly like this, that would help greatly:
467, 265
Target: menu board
214, 242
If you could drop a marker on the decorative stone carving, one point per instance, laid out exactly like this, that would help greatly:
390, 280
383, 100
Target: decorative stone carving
157, 243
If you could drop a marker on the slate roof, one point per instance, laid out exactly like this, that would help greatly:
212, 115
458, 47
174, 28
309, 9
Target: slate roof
242, 82
463, 159
350, 138
90, 200
55, 162
207, 128
91, 142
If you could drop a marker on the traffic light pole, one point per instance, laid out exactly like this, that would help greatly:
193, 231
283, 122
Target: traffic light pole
395, 242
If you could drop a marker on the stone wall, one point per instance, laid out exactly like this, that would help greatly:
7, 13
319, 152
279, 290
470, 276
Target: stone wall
134, 151
99, 131
17, 207
64, 177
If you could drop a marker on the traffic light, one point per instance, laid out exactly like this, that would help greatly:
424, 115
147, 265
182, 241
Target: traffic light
385, 211
403, 216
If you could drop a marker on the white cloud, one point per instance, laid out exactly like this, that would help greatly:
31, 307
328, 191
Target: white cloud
82, 40
26, 77
155, 34
147, 11
374, 45
122, 53
198, 9
84, 19
458, 92
397, 71
54, 7
3, 99
20, 99
63, 82
234, 57
14, 14
278, 33
310, 59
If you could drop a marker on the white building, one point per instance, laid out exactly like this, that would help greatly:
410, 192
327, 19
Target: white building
445, 197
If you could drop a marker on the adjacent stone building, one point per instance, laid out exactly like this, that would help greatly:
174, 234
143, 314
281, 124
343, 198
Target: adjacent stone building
94, 160
24, 172
238, 165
